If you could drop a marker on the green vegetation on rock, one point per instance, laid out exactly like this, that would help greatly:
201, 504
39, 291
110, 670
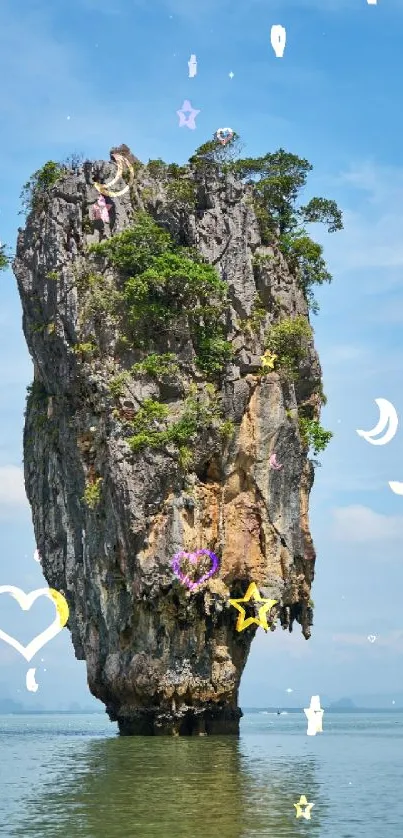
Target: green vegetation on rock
289, 340
157, 168
175, 171
37, 395
148, 431
182, 192
185, 457
215, 154
305, 256
253, 323
227, 430
85, 349
313, 436
92, 493
152, 428
277, 179
102, 300
133, 250
164, 288
35, 193
5, 258
117, 384
262, 259
167, 286
157, 366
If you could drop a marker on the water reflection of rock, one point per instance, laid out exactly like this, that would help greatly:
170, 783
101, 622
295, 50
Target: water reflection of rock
181, 788
145, 787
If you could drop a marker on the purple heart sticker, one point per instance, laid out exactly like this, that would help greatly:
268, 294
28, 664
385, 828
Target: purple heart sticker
193, 558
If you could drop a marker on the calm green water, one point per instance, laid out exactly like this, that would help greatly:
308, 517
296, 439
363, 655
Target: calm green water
72, 776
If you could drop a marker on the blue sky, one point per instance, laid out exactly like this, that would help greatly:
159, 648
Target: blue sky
86, 75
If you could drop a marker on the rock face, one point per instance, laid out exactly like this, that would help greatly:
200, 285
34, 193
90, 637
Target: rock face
162, 658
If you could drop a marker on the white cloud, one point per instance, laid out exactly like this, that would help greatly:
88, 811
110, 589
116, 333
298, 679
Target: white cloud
373, 220
367, 243
392, 640
360, 525
329, 478
283, 642
12, 489
381, 183
351, 639
344, 352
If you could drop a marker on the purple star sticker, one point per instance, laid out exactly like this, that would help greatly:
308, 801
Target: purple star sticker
190, 120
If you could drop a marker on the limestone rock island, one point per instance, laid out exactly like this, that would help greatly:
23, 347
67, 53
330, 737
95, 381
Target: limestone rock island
152, 417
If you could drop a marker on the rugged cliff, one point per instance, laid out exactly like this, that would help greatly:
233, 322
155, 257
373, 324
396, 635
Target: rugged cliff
130, 460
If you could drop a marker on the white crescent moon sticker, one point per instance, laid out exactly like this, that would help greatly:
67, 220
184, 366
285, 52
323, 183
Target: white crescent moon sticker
387, 415
32, 686
396, 487
104, 188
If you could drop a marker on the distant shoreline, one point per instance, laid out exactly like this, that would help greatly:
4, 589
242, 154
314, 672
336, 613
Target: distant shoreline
246, 710
326, 709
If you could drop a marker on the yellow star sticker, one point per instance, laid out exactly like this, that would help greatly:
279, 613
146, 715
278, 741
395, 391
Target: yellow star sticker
262, 619
308, 806
268, 360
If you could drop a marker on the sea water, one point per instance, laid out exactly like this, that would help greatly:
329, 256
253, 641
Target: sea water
74, 777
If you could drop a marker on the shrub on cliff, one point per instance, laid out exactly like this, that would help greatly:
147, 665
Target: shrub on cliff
157, 168
92, 492
305, 256
313, 435
289, 341
277, 179
132, 251
37, 187
164, 283
216, 154
5, 258
198, 413
35, 192
174, 285
157, 366
182, 192
147, 427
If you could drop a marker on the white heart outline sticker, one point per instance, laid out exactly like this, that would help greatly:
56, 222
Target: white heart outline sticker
25, 601
220, 135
